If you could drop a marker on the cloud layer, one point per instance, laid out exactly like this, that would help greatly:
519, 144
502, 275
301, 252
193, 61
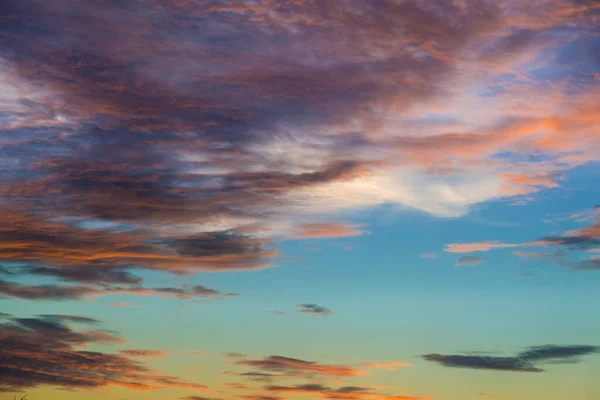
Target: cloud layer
148, 141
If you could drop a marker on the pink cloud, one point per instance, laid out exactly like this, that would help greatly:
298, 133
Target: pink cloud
322, 230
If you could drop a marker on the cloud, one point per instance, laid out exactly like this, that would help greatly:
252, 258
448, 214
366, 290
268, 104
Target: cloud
406, 398
93, 255
523, 362
234, 355
593, 264
45, 292
198, 398
71, 318
488, 395
483, 362
468, 261
325, 391
120, 304
575, 241
558, 353
47, 351
473, 247
145, 353
258, 376
299, 367
314, 309
318, 230
344, 392
146, 150
537, 254
428, 255
87, 275
57, 292
392, 365
262, 397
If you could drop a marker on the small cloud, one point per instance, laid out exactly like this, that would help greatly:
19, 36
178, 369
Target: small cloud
258, 376
391, 366
262, 397
314, 309
488, 395
298, 367
428, 255
469, 261
198, 398
234, 355
479, 246
323, 230
145, 353
119, 304
537, 254
70, 318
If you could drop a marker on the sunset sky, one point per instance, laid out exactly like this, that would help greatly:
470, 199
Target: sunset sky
303, 199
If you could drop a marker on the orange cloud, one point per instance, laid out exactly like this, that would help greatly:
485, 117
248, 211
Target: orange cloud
480, 246
585, 239
145, 353
319, 230
47, 351
392, 365
119, 304
588, 231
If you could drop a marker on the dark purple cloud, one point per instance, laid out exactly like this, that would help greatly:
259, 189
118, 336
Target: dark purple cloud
469, 261
188, 136
57, 292
314, 309
294, 366
524, 361
47, 351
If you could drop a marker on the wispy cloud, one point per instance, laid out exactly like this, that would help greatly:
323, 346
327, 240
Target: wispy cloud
575, 241
145, 353
480, 246
344, 392
78, 292
121, 304
326, 230
314, 309
428, 255
296, 366
468, 261
392, 365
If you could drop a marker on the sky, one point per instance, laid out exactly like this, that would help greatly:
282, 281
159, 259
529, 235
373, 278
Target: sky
303, 199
